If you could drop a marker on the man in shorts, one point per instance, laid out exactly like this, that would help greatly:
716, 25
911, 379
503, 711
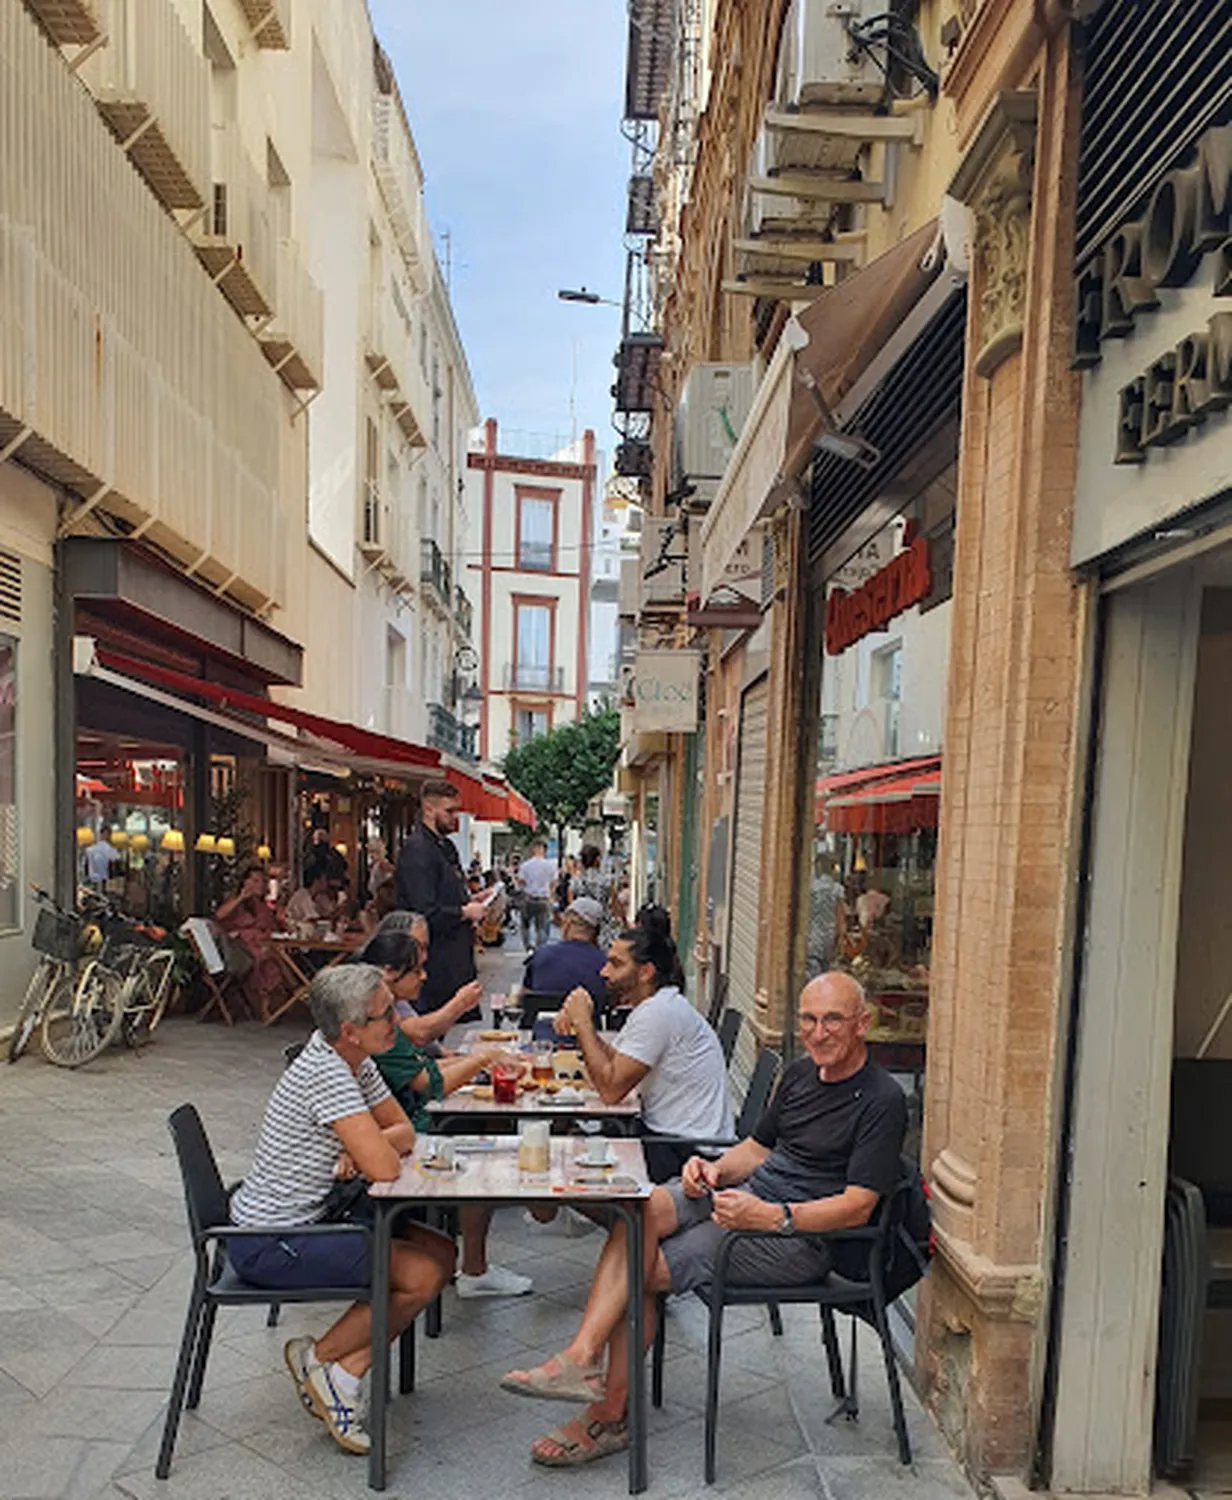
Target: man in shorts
824, 1153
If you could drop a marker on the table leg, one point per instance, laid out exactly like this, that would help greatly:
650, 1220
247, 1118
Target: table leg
378, 1395
632, 1215
299, 979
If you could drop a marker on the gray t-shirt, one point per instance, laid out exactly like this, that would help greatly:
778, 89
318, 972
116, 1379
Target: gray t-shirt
685, 1092
293, 1169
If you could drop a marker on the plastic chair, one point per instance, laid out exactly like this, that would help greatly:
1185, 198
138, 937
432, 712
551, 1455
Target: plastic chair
729, 1032
215, 1283
861, 1298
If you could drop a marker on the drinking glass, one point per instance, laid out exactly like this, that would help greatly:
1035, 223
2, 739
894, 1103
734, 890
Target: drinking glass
543, 1062
505, 1082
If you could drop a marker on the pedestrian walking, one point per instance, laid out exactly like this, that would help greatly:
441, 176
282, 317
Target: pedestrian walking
536, 877
430, 880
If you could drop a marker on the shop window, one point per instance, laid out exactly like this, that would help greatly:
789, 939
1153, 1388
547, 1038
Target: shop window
10, 842
887, 676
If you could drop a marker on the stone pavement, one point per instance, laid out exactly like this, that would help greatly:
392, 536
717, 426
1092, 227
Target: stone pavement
94, 1277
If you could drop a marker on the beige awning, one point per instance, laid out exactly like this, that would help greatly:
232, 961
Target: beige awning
835, 340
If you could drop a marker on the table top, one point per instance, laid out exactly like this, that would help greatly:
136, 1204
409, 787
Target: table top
347, 942
487, 1171
463, 1102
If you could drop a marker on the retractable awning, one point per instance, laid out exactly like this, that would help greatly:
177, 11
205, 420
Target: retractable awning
902, 797
331, 744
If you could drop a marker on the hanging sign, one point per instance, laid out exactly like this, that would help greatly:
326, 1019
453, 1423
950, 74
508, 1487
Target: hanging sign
665, 691
889, 592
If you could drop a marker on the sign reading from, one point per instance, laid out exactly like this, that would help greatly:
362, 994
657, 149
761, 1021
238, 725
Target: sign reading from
1187, 218
665, 691
889, 592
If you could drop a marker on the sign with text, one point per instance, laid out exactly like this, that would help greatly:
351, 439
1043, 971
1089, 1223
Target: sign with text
901, 583
665, 691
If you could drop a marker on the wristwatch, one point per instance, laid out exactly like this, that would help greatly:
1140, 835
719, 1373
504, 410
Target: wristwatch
788, 1225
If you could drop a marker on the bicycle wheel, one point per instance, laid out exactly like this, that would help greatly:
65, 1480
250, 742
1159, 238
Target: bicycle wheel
160, 990
38, 991
77, 1033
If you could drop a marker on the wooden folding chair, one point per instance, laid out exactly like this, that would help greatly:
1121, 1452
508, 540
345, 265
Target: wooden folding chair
219, 980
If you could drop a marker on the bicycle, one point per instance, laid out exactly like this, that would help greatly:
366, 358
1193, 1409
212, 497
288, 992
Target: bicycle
148, 986
75, 1033
58, 938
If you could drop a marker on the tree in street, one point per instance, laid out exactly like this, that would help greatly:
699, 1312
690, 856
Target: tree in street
560, 772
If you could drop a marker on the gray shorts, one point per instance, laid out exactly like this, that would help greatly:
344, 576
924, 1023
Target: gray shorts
690, 1252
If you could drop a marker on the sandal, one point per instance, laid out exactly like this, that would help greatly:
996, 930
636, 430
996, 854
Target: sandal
557, 1379
581, 1442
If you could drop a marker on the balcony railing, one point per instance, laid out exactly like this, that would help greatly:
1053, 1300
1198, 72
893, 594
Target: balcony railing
269, 21
463, 613
236, 245
71, 23
294, 339
445, 732
530, 677
152, 86
133, 384
435, 573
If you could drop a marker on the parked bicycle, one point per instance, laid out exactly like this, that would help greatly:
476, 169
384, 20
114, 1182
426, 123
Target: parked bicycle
121, 991
59, 937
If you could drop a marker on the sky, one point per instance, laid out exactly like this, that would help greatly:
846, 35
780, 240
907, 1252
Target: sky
515, 107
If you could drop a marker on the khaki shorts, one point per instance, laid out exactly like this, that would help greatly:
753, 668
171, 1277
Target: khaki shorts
690, 1253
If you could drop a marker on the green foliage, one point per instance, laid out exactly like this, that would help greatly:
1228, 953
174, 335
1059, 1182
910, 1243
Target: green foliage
559, 773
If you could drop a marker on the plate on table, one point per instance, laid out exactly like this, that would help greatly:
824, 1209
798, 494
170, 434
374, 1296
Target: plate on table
498, 1036
565, 1096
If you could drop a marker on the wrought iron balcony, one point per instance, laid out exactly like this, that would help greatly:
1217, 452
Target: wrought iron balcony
435, 574
463, 613
447, 732
530, 677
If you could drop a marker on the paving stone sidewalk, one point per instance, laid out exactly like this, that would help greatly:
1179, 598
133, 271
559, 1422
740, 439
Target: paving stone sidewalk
94, 1277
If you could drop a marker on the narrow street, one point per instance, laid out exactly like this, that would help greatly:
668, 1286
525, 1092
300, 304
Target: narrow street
94, 1276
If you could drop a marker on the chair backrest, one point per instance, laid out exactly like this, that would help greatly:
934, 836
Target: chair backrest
729, 1031
291, 1051
720, 985
765, 1072
535, 1002
200, 932
204, 1194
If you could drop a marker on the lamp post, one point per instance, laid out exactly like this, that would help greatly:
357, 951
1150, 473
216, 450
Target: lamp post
582, 294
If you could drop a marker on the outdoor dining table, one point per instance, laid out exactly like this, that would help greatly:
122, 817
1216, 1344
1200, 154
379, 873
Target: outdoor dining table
487, 1172
290, 950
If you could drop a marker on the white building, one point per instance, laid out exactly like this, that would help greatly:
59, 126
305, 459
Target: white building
618, 524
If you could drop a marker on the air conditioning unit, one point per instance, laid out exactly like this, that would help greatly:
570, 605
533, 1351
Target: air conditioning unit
774, 152
714, 406
818, 64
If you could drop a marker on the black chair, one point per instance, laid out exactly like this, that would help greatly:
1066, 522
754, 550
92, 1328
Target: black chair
535, 1002
718, 986
215, 1283
865, 1298
729, 1032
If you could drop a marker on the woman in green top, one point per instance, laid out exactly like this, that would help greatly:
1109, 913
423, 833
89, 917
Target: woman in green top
414, 1076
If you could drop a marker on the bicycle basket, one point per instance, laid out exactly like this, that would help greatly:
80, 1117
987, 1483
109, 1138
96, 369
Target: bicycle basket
57, 936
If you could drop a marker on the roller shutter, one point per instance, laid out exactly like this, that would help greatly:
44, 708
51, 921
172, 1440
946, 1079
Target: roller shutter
746, 875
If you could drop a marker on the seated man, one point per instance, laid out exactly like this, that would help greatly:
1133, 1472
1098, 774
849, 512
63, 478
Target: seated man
316, 900
824, 1153
576, 959
331, 1119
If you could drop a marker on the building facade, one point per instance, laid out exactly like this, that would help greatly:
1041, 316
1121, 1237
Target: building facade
534, 521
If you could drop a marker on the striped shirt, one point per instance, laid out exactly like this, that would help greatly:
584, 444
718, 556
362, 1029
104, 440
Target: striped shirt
293, 1169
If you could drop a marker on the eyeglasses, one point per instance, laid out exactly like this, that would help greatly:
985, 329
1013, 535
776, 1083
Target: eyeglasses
832, 1020
384, 1015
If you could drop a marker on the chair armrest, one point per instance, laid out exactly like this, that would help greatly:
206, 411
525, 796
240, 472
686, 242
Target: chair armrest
695, 1143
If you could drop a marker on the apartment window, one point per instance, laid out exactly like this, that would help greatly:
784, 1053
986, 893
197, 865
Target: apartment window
10, 842
537, 532
888, 687
372, 485
529, 723
532, 629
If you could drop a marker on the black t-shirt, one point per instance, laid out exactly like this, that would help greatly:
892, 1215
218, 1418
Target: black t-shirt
824, 1137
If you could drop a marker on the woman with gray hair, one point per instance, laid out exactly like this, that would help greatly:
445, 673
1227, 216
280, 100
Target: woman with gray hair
331, 1121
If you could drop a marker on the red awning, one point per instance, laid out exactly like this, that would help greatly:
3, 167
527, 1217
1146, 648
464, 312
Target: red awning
483, 796
897, 798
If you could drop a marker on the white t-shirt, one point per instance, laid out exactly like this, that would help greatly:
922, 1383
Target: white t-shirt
293, 1169
537, 876
685, 1092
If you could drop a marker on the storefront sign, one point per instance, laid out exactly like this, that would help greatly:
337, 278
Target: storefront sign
665, 691
1151, 402
889, 592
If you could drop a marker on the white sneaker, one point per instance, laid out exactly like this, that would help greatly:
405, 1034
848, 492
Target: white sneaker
344, 1416
300, 1359
496, 1281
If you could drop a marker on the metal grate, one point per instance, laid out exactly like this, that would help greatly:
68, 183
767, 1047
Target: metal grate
1178, 55
922, 391
10, 587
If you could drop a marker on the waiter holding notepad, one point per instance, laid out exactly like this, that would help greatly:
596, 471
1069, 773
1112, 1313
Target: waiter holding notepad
430, 881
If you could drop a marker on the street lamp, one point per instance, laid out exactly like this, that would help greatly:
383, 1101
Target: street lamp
591, 299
